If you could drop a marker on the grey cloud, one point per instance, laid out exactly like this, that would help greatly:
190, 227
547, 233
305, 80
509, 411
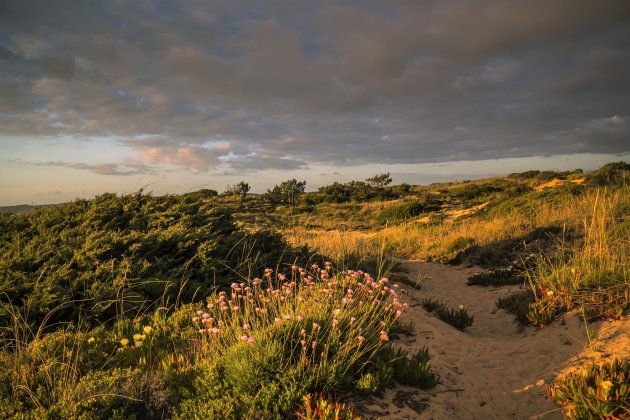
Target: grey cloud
252, 164
121, 169
286, 82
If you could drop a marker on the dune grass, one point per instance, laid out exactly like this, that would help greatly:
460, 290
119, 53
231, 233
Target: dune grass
590, 273
252, 351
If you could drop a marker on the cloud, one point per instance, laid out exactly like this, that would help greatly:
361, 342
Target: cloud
252, 164
288, 82
191, 157
121, 169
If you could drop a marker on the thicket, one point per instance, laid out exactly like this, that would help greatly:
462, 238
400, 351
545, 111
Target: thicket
408, 210
83, 257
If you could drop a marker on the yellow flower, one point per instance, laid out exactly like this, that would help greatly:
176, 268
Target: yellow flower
606, 385
90, 340
147, 330
137, 337
124, 342
549, 293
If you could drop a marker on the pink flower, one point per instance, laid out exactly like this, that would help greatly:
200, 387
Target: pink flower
250, 340
195, 319
287, 317
246, 327
361, 339
282, 277
243, 338
294, 267
303, 331
278, 320
215, 330
314, 344
199, 313
352, 320
206, 315
235, 308
303, 342
335, 322
300, 317
315, 326
209, 305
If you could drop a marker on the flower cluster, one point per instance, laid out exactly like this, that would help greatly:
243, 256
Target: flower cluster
349, 311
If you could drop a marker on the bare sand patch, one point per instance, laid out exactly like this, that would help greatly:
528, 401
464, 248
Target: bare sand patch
494, 369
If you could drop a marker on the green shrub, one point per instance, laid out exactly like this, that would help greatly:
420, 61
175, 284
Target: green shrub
518, 304
415, 371
322, 409
594, 391
405, 211
499, 277
458, 318
98, 259
369, 383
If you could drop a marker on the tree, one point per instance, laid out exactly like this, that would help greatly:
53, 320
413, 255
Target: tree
242, 188
286, 192
379, 181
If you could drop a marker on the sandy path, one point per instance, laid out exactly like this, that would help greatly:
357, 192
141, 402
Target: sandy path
492, 370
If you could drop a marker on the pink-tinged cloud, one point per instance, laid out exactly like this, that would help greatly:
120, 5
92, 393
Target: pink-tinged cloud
190, 157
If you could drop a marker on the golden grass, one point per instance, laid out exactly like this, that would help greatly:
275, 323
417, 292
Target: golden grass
436, 241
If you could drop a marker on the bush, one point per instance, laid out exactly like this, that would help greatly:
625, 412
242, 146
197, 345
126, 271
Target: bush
518, 304
499, 277
405, 211
83, 257
415, 371
322, 409
594, 391
458, 318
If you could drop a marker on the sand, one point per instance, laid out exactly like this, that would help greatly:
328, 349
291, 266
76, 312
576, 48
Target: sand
494, 369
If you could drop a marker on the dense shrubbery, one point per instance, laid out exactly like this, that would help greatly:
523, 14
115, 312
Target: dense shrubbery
252, 352
286, 192
615, 173
132, 249
405, 211
594, 391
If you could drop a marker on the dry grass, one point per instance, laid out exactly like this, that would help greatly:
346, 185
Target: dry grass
439, 241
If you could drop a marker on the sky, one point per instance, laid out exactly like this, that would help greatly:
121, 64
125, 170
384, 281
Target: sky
173, 96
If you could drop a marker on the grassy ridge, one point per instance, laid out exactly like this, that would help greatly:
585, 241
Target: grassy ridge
139, 306
130, 250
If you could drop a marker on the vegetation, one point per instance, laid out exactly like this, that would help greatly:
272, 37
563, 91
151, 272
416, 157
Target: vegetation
590, 273
96, 259
240, 189
458, 318
143, 306
287, 192
595, 391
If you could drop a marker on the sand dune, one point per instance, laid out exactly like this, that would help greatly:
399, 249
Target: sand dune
494, 369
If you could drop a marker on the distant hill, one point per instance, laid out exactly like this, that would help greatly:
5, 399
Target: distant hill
21, 208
